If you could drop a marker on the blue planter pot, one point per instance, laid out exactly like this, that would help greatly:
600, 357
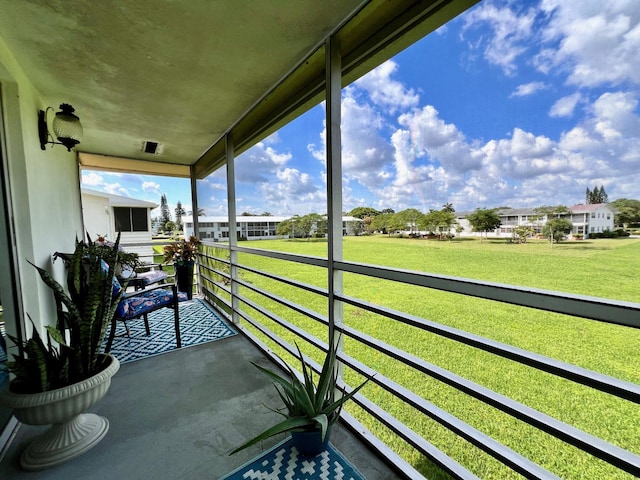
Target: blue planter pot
309, 443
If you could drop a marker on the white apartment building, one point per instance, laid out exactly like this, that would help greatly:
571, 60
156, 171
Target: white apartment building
586, 219
216, 228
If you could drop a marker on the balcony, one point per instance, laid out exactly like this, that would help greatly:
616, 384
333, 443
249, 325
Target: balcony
178, 415
131, 96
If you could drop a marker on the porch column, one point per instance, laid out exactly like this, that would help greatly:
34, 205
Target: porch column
194, 218
233, 230
333, 69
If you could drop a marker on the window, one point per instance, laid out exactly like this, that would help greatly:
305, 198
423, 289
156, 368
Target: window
593, 215
608, 216
129, 219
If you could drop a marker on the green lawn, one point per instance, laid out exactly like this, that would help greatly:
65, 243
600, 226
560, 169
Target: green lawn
604, 268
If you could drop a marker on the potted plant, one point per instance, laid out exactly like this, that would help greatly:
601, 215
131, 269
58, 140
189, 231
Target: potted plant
183, 254
58, 379
310, 408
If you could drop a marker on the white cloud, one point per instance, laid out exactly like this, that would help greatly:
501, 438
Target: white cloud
596, 43
92, 179
527, 89
293, 191
386, 91
151, 187
116, 189
259, 163
565, 106
510, 29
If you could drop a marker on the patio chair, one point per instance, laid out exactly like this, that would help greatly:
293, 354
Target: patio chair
138, 304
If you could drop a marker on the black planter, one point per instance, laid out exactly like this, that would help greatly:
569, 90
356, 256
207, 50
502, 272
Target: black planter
184, 277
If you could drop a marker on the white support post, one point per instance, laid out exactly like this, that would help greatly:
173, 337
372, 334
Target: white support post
194, 217
233, 229
334, 185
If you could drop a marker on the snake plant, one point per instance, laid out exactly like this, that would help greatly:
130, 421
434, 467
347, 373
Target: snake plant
84, 311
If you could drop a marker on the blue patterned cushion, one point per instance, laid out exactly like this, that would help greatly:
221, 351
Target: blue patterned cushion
137, 305
154, 276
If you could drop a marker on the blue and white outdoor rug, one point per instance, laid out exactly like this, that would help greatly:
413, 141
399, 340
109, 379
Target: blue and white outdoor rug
198, 324
282, 462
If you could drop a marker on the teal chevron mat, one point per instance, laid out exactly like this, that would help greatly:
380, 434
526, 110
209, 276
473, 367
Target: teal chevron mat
198, 324
282, 462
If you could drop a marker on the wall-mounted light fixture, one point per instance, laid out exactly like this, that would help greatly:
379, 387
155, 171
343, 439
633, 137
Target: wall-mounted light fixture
66, 127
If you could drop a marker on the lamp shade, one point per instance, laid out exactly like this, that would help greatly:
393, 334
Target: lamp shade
66, 126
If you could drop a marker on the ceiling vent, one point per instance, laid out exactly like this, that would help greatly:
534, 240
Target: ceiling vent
151, 147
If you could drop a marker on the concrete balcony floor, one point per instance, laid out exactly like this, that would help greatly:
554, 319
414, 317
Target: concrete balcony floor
177, 415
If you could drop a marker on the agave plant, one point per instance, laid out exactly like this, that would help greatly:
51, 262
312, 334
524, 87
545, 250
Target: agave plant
83, 313
307, 405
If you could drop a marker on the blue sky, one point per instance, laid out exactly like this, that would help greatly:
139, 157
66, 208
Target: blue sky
515, 104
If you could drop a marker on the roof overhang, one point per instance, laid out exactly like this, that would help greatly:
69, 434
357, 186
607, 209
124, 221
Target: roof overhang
186, 73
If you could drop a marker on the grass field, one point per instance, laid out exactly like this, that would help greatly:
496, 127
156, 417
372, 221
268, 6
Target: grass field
603, 268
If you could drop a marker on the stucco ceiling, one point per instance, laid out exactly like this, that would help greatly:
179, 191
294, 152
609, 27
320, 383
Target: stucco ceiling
179, 73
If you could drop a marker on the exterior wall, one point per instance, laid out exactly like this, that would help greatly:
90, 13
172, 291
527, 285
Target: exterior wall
45, 191
99, 219
600, 220
97, 216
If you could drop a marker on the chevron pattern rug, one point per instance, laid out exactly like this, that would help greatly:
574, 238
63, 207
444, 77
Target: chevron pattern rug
282, 462
198, 324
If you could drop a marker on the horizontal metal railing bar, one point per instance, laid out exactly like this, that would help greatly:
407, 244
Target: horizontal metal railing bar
418, 442
283, 301
402, 466
221, 286
214, 258
606, 310
220, 299
216, 271
504, 454
604, 450
614, 386
304, 286
399, 464
279, 320
291, 257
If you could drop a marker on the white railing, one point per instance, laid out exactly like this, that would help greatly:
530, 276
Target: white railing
268, 328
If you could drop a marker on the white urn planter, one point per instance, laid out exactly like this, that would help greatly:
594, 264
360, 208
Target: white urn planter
72, 432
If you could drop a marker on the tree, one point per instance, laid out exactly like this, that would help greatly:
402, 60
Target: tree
410, 219
179, 211
598, 195
484, 220
448, 207
521, 233
439, 221
362, 212
556, 227
169, 226
387, 210
165, 214
388, 223
201, 212
628, 212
